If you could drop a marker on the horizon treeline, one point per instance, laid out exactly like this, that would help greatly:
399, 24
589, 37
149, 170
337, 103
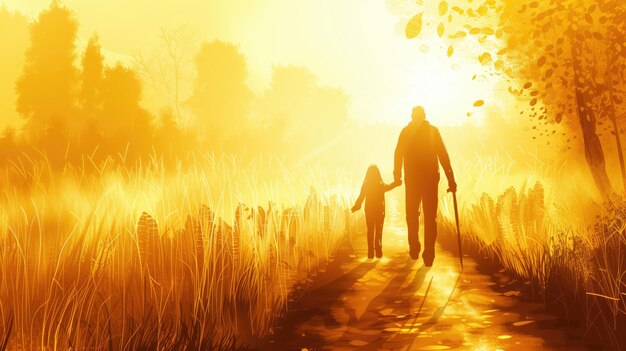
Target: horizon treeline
74, 108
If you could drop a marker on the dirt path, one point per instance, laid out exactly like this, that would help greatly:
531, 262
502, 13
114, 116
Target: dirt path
396, 303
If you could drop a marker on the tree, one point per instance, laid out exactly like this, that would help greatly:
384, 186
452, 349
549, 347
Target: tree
92, 78
9, 146
12, 50
220, 98
560, 55
169, 69
615, 85
123, 122
171, 140
310, 117
47, 88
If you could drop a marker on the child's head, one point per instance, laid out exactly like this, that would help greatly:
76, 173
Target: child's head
373, 175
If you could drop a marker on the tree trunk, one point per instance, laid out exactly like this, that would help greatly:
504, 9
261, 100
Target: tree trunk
613, 118
594, 154
620, 153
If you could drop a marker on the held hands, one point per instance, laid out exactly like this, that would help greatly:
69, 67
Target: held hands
452, 187
397, 183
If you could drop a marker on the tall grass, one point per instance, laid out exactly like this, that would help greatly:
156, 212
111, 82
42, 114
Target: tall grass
116, 257
552, 232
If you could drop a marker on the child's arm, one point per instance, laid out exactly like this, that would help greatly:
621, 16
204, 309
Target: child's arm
359, 200
393, 185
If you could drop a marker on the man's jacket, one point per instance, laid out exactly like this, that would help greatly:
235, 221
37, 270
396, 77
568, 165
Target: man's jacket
421, 149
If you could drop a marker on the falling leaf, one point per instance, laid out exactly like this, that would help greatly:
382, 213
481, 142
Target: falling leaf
443, 8
450, 50
414, 27
504, 337
424, 48
478, 103
459, 34
484, 58
440, 29
541, 61
528, 85
548, 73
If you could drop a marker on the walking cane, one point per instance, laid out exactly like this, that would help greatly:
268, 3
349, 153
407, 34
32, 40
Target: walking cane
458, 230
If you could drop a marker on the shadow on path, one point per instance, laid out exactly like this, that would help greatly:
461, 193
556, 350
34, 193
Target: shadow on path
359, 304
319, 301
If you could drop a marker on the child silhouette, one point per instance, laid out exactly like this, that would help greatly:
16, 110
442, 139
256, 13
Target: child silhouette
373, 192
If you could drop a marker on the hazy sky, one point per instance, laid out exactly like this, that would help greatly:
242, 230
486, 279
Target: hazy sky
353, 44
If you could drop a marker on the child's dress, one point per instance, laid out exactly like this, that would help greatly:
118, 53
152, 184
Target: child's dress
374, 196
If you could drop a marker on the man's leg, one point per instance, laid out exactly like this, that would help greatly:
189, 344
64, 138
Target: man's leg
413, 199
378, 239
430, 199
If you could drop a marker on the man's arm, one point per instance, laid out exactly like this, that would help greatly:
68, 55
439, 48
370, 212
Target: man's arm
399, 157
444, 159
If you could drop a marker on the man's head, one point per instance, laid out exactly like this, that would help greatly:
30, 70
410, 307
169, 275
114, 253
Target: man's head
418, 114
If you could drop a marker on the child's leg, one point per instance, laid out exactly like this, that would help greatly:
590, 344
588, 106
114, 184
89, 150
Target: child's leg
370, 219
378, 240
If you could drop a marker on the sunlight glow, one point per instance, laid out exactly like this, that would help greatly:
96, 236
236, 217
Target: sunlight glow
447, 91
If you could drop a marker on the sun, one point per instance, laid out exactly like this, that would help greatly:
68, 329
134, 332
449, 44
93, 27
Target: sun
446, 87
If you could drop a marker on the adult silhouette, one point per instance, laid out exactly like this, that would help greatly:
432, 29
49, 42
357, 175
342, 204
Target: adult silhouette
421, 149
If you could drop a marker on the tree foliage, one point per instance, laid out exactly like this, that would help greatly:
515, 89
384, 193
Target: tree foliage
79, 109
92, 79
301, 112
12, 50
565, 58
221, 98
92, 110
47, 88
